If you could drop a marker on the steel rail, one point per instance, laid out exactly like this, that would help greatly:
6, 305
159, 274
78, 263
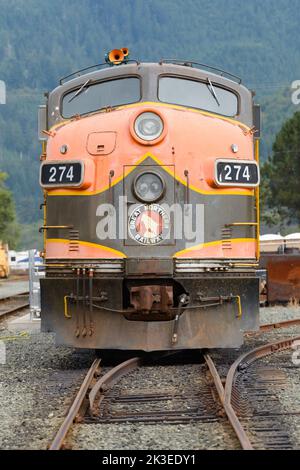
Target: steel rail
14, 296
281, 324
59, 438
98, 389
110, 378
244, 361
13, 309
273, 326
231, 415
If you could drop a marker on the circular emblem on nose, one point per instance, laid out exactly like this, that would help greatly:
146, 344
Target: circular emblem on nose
149, 224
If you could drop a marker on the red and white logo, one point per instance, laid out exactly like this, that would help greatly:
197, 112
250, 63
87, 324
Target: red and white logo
149, 224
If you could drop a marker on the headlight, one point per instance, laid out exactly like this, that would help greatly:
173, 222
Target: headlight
148, 126
148, 187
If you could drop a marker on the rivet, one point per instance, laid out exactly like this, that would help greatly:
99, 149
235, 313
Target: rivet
63, 149
234, 148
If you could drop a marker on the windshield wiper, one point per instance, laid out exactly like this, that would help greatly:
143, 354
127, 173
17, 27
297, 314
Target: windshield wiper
78, 92
212, 90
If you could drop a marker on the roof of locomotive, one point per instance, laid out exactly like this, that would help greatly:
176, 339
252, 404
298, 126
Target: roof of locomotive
185, 63
149, 73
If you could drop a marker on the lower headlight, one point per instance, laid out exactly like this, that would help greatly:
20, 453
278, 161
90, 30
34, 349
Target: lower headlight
148, 126
148, 187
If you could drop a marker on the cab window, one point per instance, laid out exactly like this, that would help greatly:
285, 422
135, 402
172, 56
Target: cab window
91, 97
195, 94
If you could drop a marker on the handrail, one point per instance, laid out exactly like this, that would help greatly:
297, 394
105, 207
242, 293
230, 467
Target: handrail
78, 73
185, 63
47, 227
189, 63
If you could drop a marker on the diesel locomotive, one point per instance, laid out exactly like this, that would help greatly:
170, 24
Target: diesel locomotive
150, 175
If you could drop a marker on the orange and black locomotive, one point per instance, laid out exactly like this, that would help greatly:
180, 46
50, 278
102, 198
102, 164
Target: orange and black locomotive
151, 212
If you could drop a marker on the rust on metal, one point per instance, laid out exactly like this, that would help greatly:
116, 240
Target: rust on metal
152, 300
243, 362
58, 441
216, 378
275, 325
282, 324
107, 380
13, 309
283, 282
149, 267
226, 402
170, 405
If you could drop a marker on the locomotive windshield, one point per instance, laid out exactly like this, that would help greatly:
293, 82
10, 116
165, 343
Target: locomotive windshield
92, 97
195, 94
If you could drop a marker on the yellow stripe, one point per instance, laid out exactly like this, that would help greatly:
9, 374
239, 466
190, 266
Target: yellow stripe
158, 104
257, 197
215, 243
93, 245
186, 250
225, 192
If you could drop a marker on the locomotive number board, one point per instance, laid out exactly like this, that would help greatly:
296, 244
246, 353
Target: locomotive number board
236, 173
61, 174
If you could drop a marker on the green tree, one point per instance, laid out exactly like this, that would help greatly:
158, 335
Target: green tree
261, 44
9, 231
280, 195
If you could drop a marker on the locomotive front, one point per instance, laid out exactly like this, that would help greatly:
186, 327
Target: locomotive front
150, 175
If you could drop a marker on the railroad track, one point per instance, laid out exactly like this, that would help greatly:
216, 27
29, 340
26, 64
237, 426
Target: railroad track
282, 324
251, 391
274, 326
97, 402
13, 304
256, 421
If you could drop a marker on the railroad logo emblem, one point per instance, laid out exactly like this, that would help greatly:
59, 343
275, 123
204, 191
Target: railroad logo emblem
149, 224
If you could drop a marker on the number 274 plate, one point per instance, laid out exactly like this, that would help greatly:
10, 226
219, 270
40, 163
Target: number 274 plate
65, 173
236, 173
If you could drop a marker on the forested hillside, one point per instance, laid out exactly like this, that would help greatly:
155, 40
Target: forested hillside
42, 40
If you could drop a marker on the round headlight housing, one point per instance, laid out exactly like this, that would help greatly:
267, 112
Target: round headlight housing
148, 126
148, 187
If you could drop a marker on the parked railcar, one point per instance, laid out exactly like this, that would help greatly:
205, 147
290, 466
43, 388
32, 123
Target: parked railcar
280, 258
150, 175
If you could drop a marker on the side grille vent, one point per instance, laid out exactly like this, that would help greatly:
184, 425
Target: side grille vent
101, 267
73, 241
226, 238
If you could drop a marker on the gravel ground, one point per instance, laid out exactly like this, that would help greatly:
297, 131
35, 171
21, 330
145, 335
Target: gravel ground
39, 380
278, 397
172, 378
152, 437
273, 314
36, 386
288, 395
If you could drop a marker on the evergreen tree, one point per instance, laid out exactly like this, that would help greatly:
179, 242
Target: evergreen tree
281, 175
8, 226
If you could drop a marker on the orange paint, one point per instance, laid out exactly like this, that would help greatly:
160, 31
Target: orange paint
104, 141
239, 249
56, 248
190, 143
